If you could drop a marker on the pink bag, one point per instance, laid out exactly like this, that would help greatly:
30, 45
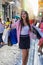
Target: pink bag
40, 42
41, 27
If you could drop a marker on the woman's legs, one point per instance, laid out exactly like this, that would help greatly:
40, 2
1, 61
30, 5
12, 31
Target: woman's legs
25, 53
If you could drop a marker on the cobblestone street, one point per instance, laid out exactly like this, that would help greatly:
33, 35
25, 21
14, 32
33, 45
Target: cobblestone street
8, 55
21, 21
11, 55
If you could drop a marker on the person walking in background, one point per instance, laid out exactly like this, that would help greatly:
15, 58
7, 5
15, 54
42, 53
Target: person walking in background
41, 25
7, 23
40, 44
5, 36
23, 29
1, 32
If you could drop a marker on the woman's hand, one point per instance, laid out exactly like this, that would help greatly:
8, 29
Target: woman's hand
13, 26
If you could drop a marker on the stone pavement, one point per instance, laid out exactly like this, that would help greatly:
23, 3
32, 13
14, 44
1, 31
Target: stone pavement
8, 55
38, 59
11, 55
31, 55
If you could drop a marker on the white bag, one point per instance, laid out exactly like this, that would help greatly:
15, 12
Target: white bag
5, 36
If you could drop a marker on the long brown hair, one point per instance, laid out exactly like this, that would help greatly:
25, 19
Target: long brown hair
27, 20
0, 20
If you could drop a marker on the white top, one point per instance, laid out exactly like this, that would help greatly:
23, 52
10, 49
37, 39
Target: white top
25, 30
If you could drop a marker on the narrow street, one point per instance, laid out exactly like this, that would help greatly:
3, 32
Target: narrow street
18, 18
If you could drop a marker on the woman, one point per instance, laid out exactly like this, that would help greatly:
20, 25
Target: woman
5, 36
40, 44
7, 23
23, 28
41, 25
1, 32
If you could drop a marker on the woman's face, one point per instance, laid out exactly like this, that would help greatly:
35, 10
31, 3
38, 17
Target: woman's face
23, 15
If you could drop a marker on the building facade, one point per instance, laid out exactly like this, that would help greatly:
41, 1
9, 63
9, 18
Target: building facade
41, 7
0, 8
11, 8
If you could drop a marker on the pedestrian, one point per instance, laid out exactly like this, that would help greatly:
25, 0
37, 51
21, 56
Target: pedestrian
5, 36
41, 25
7, 23
40, 44
23, 28
1, 32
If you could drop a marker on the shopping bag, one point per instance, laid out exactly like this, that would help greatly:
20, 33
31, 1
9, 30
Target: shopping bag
40, 42
5, 36
13, 36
